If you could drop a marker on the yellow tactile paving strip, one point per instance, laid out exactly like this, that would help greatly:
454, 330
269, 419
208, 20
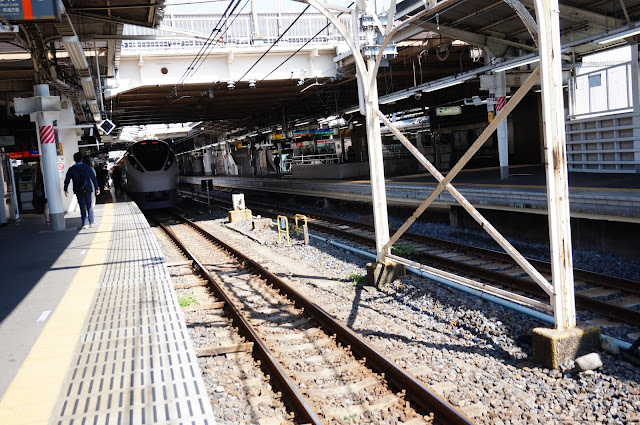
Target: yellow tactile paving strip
31, 397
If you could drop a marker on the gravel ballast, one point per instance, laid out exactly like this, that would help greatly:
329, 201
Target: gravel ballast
473, 352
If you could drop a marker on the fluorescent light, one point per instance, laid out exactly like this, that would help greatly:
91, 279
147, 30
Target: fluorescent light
352, 110
301, 123
76, 52
438, 86
87, 86
93, 106
619, 36
521, 62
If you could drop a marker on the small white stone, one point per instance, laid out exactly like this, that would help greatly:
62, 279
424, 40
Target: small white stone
219, 389
589, 362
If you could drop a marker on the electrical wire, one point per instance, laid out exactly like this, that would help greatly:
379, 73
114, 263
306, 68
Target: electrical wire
301, 47
218, 40
203, 48
275, 42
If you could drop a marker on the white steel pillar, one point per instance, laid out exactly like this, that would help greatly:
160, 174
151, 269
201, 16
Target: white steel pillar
207, 159
49, 161
376, 161
367, 86
562, 298
503, 134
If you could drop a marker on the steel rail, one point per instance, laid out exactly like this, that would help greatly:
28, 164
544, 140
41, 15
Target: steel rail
610, 310
293, 397
613, 311
607, 281
419, 394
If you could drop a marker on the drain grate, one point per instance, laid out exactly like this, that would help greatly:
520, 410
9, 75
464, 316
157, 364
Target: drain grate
134, 364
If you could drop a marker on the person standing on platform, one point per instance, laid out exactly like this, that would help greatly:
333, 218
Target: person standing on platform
276, 161
83, 177
40, 199
116, 176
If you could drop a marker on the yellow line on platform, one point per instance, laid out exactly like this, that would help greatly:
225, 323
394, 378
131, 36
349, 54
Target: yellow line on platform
32, 396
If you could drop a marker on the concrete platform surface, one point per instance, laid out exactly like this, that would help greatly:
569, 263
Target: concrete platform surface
91, 329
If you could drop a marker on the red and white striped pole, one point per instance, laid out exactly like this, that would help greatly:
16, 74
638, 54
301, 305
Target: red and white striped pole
49, 162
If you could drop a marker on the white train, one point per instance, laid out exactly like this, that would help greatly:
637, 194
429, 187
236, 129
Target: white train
150, 174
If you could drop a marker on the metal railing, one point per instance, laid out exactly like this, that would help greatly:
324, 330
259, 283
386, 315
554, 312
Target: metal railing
237, 33
326, 158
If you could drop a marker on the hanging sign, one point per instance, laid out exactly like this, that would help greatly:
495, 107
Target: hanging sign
30, 10
448, 110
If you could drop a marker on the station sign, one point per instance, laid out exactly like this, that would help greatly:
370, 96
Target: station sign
444, 111
106, 126
317, 132
24, 154
30, 10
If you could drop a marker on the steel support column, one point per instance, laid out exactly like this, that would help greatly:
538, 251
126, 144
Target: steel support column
367, 84
49, 161
562, 299
503, 130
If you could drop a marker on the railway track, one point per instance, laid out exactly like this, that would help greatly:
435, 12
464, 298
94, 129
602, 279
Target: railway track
611, 298
325, 372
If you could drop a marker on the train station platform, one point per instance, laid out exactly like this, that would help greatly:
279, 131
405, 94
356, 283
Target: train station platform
611, 197
91, 331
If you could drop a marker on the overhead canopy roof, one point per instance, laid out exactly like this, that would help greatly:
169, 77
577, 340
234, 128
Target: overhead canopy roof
426, 51
96, 23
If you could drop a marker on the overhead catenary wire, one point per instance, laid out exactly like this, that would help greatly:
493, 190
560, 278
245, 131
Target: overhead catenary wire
203, 58
275, 42
301, 47
189, 71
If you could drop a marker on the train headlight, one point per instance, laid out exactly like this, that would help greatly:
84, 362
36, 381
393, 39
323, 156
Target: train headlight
135, 164
170, 160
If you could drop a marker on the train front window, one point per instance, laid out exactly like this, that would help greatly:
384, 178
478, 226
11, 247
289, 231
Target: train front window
151, 154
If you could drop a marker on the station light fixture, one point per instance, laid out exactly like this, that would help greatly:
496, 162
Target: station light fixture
93, 107
87, 86
619, 36
517, 63
76, 52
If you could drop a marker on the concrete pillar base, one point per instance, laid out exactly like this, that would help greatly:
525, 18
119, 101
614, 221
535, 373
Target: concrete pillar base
456, 216
384, 273
57, 221
504, 173
239, 215
553, 347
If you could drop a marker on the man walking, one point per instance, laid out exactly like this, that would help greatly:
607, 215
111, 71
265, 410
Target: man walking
83, 177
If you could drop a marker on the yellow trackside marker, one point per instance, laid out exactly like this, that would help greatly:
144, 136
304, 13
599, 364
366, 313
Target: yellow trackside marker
283, 227
32, 396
